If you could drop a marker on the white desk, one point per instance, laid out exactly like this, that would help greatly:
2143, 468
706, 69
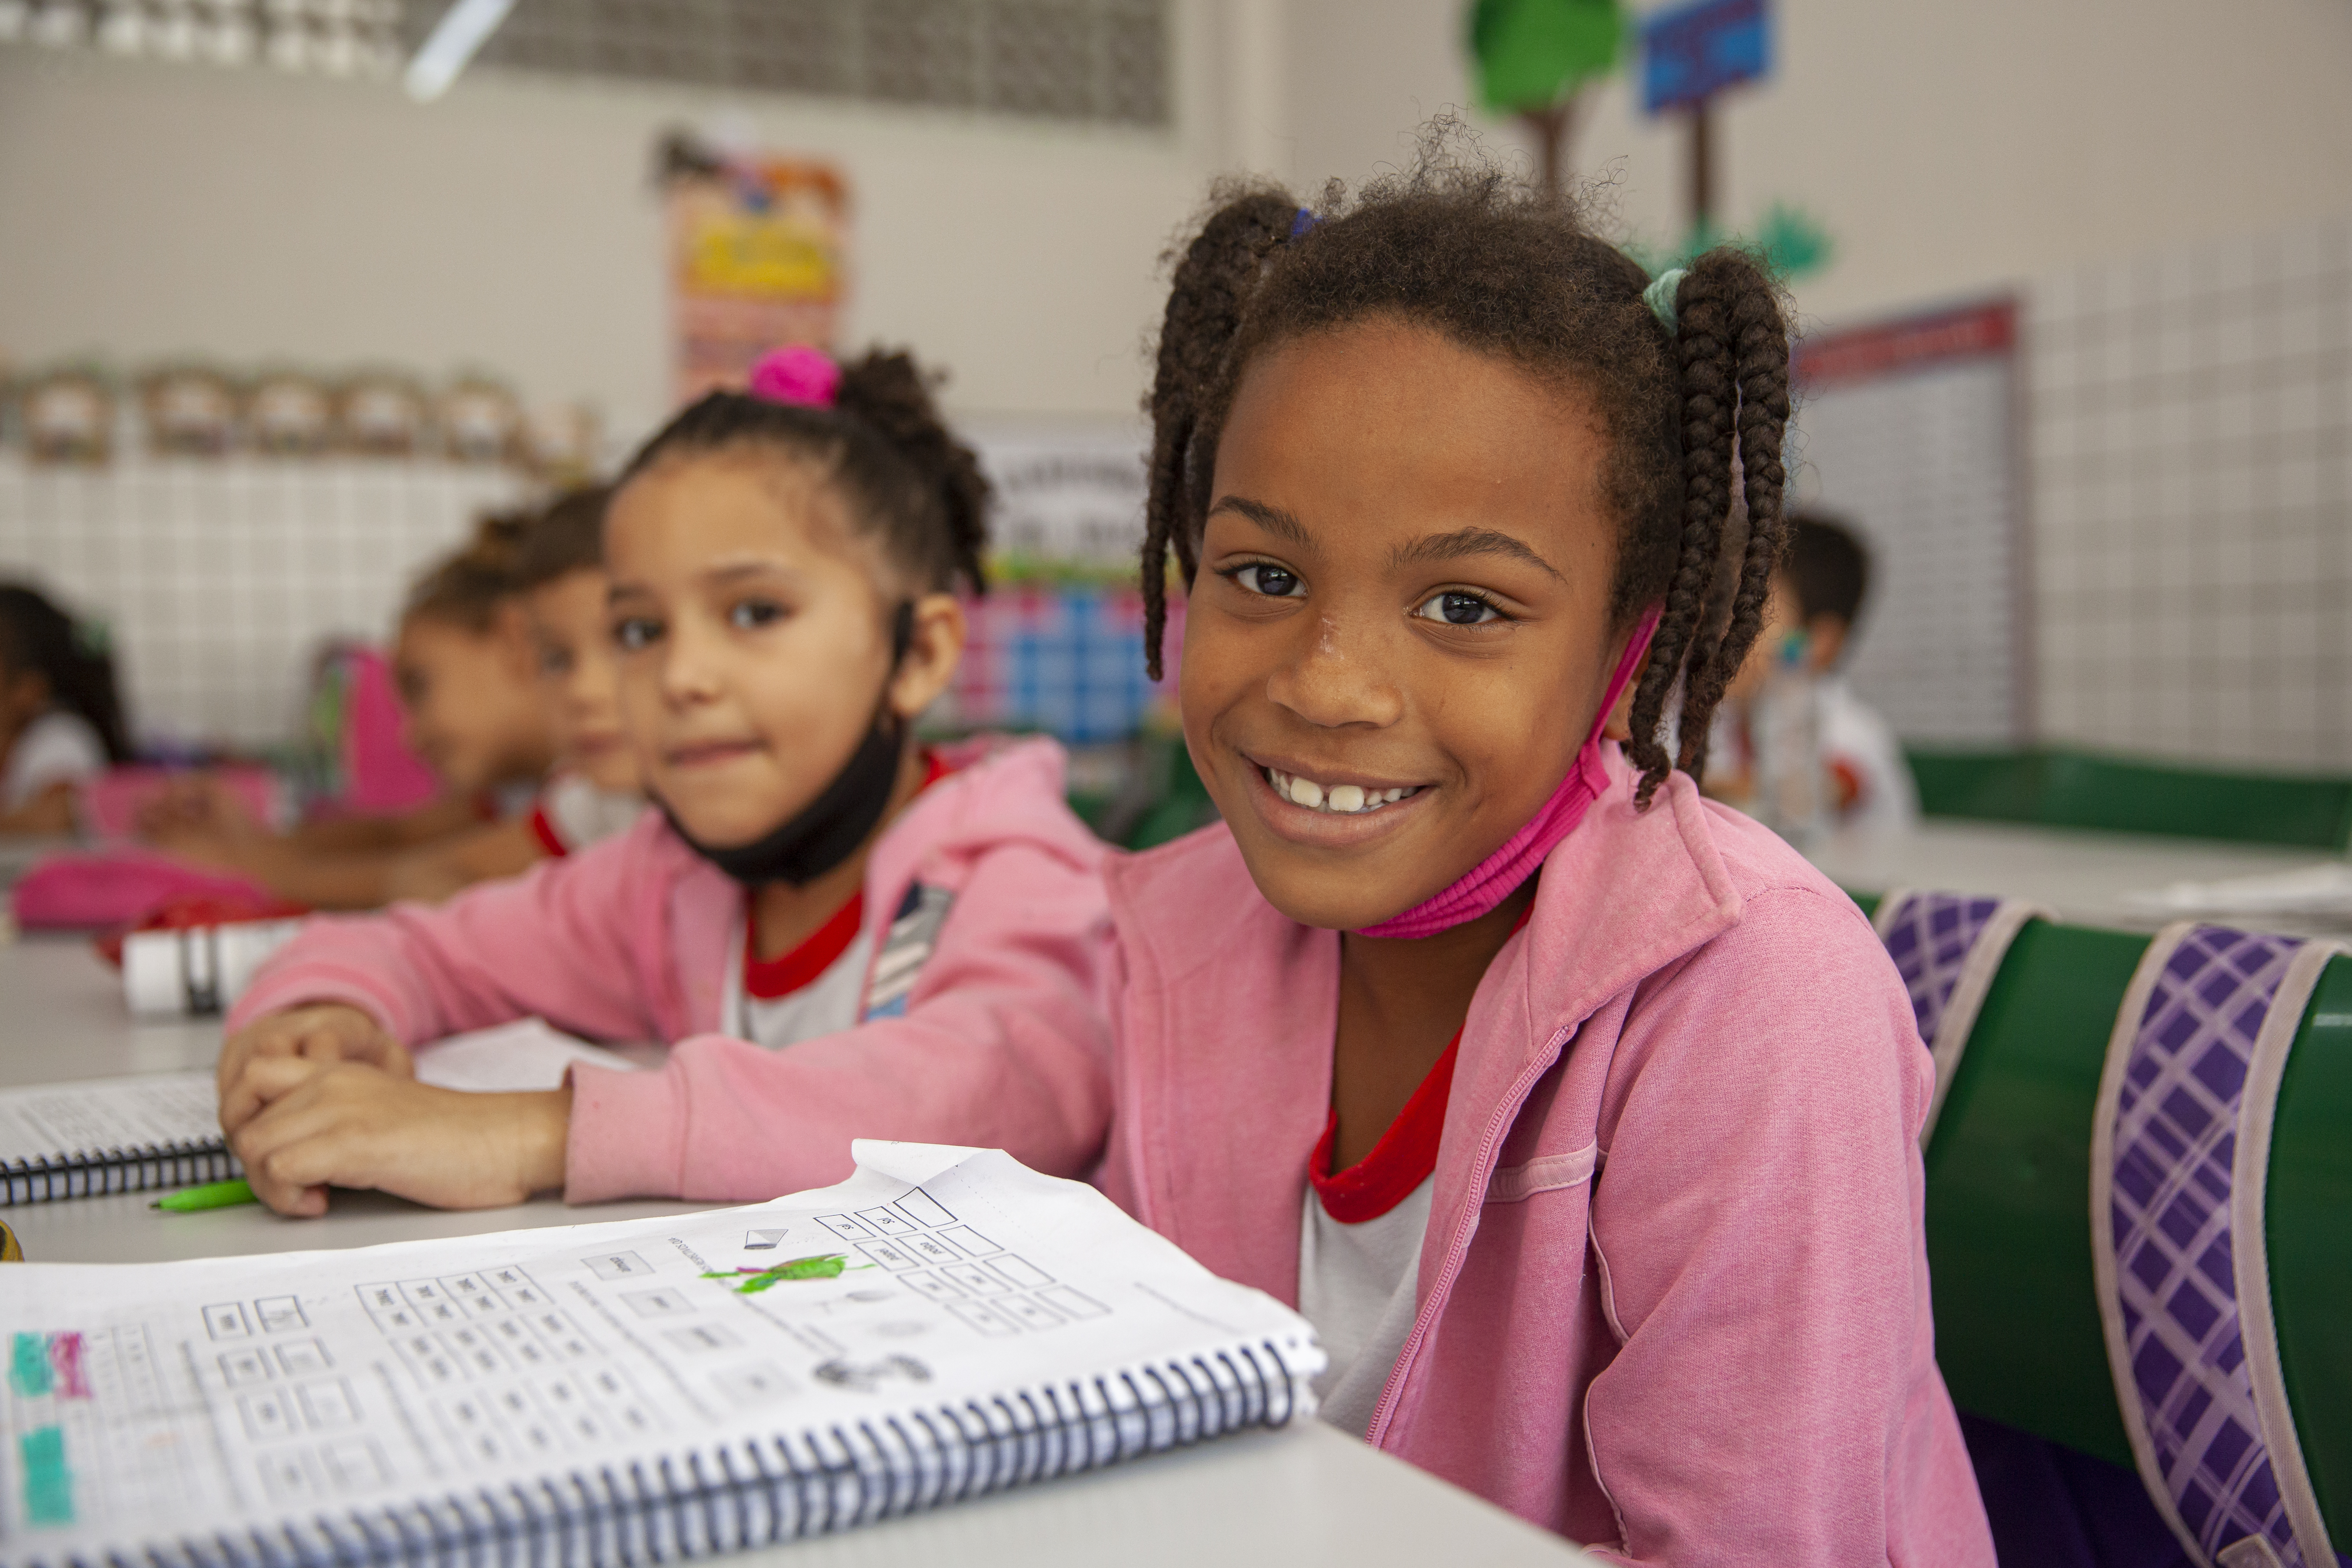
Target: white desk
1303, 1498
2080, 874
62, 1017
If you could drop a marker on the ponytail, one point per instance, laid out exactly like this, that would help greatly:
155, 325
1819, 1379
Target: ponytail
882, 442
37, 638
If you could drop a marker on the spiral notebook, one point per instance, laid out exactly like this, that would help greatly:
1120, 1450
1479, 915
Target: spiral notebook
944, 1323
163, 1130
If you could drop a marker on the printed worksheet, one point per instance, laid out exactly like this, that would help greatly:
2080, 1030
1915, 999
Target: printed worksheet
145, 1404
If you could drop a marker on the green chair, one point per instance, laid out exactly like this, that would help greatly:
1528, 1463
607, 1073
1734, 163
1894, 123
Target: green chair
2018, 1323
2063, 787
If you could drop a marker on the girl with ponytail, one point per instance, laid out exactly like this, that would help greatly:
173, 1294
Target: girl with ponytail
1577, 1114
835, 933
60, 719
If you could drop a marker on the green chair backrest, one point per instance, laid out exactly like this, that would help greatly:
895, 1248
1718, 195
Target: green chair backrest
2081, 789
2062, 787
2009, 1245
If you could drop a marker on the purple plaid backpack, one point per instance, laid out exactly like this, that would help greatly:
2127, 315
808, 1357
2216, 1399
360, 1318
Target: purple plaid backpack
2181, 1150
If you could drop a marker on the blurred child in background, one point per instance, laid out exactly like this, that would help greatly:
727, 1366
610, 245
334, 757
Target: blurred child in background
476, 712
60, 719
841, 936
1816, 602
595, 791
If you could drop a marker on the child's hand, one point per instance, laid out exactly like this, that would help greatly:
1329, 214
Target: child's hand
320, 1035
200, 818
50, 811
351, 1126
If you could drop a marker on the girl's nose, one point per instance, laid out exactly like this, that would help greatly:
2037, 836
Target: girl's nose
689, 665
1334, 677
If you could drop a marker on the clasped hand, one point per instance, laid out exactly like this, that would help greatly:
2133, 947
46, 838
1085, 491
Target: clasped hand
322, 1096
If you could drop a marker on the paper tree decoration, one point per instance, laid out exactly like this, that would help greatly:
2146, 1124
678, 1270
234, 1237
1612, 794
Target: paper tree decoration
1533, 58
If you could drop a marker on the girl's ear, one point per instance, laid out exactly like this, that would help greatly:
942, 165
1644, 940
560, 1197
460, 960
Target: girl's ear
1620, 726
934, 649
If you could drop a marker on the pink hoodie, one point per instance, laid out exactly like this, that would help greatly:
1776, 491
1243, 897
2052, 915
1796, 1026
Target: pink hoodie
1002, 1043
1674, 1291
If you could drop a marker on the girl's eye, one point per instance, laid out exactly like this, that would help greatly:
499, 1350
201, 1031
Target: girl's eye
1273, 581
635, 634
1456, 608
555, 661
751, 615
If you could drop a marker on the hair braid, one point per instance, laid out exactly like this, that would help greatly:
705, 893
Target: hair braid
1756, 356
1211, 286
1703, 349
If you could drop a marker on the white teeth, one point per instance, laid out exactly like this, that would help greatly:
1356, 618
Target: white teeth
1345, 800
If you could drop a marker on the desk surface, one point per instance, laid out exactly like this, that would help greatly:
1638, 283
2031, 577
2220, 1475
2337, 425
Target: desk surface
2081, 875
1306, 1497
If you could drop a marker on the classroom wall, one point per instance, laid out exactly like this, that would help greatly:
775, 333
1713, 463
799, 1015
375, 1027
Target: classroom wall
149, 210
1946, 148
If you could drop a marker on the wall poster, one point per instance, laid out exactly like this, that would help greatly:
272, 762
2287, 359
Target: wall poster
757, 257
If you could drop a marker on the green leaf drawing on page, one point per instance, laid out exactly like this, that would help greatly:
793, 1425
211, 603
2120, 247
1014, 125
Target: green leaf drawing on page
822, 1266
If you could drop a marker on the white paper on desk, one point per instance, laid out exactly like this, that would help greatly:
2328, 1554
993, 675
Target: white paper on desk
350, 1391
56, 1120
512, 1059
2324, 890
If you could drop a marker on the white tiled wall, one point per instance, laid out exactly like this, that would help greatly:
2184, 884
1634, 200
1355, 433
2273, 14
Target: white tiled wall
2190, 452
1919, 464
219, 579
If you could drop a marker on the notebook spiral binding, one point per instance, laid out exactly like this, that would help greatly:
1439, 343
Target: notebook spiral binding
93, 1173
738, 1496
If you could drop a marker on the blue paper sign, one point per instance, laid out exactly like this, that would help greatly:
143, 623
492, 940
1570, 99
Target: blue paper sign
1691, 52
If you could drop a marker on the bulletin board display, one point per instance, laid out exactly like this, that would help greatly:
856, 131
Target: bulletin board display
1908, 430
758, 257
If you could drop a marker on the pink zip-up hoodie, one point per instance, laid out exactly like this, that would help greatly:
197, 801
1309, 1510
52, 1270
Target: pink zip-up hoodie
1002, 1043
1674, 1291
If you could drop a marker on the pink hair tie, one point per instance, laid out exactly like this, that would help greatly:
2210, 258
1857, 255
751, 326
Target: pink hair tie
796, 374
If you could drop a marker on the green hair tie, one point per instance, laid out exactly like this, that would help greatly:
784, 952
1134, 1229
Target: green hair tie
1660, 295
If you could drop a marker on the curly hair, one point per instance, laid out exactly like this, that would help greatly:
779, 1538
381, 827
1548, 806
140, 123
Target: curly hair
567, 536
883, 446
1460, 247
467, 587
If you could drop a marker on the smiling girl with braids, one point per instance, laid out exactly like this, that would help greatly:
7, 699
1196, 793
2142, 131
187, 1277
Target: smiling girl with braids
1577, 1114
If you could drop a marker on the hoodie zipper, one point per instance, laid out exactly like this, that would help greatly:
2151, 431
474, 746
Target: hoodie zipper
1458, 1248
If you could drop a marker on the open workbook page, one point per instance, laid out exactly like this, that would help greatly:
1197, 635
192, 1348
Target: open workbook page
946, 1322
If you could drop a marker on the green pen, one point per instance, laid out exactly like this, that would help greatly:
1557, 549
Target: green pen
211, 1195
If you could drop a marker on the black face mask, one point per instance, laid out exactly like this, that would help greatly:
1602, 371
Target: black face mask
829, 830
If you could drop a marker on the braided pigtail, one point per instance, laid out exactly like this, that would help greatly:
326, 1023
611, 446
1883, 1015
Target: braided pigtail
1206, 300
1732, 348
893, 396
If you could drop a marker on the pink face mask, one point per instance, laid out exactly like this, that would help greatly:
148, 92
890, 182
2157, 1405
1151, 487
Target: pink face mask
1492, 881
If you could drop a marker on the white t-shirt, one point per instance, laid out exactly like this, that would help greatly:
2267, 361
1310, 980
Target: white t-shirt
1358, 1285
1860, 751
827, 1003
59, 746
574, 814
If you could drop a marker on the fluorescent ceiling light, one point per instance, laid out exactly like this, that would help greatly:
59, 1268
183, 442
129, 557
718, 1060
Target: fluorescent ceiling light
463, 29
